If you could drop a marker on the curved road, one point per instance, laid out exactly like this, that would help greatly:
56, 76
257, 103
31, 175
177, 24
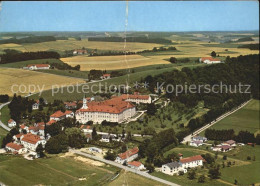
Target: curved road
1, 123
144, 174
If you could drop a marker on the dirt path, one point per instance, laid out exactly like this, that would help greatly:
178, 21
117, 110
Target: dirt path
225, 182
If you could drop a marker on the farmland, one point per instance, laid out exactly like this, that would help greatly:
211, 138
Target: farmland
58, 170
10, 77
246, 118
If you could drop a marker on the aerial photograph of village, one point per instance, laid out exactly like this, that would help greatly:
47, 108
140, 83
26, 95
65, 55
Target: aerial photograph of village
129, 93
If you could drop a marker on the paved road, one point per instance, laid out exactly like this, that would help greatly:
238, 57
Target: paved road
123, 167
188, 138
1, 123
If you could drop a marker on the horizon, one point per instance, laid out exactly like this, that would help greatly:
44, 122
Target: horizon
141, 16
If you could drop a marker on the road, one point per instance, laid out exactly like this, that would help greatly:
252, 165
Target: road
188, 138
144, 174
1, 123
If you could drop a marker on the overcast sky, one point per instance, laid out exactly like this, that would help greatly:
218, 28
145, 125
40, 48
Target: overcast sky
142, 16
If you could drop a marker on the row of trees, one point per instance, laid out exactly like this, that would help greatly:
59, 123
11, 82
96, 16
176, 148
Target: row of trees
4, 98
30, 39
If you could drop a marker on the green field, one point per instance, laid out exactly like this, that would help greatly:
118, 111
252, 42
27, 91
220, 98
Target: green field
52, 171
4, 116
3, 133
246, 118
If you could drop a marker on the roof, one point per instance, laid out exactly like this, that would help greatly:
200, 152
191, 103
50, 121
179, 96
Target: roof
14, 146
10, 120
199, 138
129, 153
51, 122
197, 142
114, 106
230, 142
192, 158
39, 65
135, 163
85, 127
58, 114
209, 58
18, 135
70, 104
173, 164
68, 112
23, 126
134, 96
31, 138
106, 75
225, 147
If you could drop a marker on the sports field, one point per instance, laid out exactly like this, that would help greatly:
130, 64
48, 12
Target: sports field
246, 118
15, 170
23, 78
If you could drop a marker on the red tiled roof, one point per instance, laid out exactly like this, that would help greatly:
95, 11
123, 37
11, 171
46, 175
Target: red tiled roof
18, 135
57, 114
135, 163
38, 65
31, 138
129, 153
113, 105
106, 75
70, 104
10, 120
68, 112
22, 126
14, 146
85, 127
209, 58
225, 147
193, 158
51, 122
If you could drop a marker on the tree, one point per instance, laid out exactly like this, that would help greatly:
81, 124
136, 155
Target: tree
235, 182
214, 172
94, 133
213, 54
149, 167
201, 179
110, 155
76, 138
173, 60
191, 174
40, 150
209, 159
57, 144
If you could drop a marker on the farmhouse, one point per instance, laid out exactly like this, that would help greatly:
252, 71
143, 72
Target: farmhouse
31, 141
11, 123
15, 148
173, 168
80, 52
105, 76
37, 129
59, 115
127, 156
38, 67
199, 138
36, 105
70, 105
136, 165
209, 60
193, 161
113, 110
222, 148
196, 143
230, 143
17, 138
23, 127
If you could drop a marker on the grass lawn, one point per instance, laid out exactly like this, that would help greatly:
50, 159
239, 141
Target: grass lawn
51, 171
3, 133
131, 179
246, 118
71, 73
5, 116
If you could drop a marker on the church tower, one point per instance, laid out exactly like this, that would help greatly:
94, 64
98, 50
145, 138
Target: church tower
85, 106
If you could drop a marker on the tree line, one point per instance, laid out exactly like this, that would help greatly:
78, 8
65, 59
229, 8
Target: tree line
24, 56
250, 46
4, 98
30, 39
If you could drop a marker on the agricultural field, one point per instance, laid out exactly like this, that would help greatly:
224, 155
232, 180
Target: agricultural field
128, 178
67, 170
10, 77
246, 118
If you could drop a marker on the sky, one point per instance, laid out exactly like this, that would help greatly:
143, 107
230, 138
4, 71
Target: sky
142, 16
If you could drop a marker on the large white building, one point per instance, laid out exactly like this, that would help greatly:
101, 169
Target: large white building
136, 98
182, 165
38, 67
209, 60
31, 141
112, 110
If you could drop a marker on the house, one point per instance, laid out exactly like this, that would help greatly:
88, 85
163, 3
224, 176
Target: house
38, 67
198, 138
59, 115
193, 161
51, 122
86, 128
173, 168
209, 60
80, 52
196, 143
107, 137
37, 129
136, 98
17, 137
105, 76
230, 143
222, 148
95, 149
31, 141
70, 105
11, 123
127, 156
136, 165
15, 148
23, 127
36, 105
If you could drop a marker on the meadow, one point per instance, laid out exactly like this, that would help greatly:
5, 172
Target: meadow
247, 118
53, 170
10, 77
